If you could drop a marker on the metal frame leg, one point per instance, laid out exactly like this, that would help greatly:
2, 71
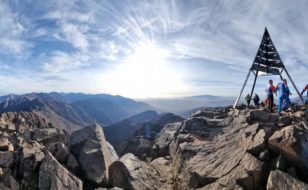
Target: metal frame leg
294, 86
253, 87
238, 98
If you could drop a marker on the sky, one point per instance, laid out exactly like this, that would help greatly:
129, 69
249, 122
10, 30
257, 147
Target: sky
146, 49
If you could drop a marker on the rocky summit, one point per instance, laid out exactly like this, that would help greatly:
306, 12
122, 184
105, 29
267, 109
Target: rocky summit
214, 148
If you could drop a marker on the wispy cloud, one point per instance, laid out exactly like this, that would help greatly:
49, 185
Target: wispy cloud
206, 39
61, 61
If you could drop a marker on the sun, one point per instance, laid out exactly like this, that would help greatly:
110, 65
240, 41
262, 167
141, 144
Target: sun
146, 73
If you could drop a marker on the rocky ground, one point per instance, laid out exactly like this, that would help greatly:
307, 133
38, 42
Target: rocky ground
212, 149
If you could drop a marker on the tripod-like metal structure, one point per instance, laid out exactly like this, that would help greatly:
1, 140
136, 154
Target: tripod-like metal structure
268, 62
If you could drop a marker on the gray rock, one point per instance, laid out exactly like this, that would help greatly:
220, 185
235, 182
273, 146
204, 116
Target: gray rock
30, 158
279, 180
260, 115
131, 173
49, 135
5, 144
53, 176
284, 121
6, 159
163, 140
292, 143
72, 164
91, 150
60, 151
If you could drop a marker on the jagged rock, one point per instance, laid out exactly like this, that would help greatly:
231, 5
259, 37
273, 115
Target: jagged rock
162, 142
260, 115
112, 151
130, 173
6, 159
255, 139
60, 151
284, 121
206, 113
292, 143
298, 114
49, 135
72, 164
5, 144
279, 180
139, 146
30, 158
53, 176
163, 166
114, 188
91, 150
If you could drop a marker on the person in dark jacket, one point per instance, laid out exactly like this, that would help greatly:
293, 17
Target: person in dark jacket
256, 99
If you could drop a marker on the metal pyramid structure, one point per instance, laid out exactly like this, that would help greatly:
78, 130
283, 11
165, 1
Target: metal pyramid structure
267, 62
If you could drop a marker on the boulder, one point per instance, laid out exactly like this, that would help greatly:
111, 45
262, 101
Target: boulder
255, 139
260, 115
53, 176
130, 173
6, 159
163, 140
292, 143
60, 151
93, 153
284, 121
49, 135
72, 164
30, 158
5, 144
279, 180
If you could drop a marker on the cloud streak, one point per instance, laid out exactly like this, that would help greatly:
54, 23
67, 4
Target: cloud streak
206, 39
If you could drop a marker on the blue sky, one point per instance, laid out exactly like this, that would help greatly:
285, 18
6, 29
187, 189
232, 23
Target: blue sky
145, 49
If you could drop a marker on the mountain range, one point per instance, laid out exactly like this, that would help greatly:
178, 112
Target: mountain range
182, 105
74, 110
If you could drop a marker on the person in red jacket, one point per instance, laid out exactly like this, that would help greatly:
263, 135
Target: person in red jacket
306, 88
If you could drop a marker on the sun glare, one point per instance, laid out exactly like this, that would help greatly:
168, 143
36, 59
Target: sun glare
145, 73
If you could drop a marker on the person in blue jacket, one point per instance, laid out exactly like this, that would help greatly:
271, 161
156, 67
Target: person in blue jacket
287, 102
281, 90
306, 88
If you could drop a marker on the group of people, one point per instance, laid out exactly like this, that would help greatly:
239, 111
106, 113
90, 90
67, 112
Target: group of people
282, 91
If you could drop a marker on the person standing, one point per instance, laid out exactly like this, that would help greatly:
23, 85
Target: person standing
270, 94
306, 88
247, 98
288, 93
281, 91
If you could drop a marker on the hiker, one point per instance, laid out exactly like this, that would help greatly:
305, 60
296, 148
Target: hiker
270, 94
306, 88
247, 98
287, 102
281, 90
256, 99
